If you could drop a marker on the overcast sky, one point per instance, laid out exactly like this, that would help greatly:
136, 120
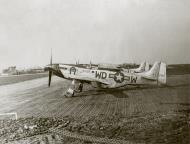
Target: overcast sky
107, 31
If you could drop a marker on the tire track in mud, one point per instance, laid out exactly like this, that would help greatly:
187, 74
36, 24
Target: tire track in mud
90, 110
120, 106
101, 109
124, 102
112, 106
109, 110
52, 108
89, 107
131, 105
135, 103
96, 106
124, 106
78, 111
117, 106
152, 101
84, 110
145, 101
74, 105
77, 105
82, 106
67, 105
137, 106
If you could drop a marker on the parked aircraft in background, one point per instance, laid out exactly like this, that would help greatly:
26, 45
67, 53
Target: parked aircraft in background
144, 66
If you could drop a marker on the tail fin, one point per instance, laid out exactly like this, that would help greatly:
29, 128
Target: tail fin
153, 73
141, 68
162, 74
146, 66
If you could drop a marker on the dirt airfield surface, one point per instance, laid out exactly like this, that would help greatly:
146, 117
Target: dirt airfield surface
146, 114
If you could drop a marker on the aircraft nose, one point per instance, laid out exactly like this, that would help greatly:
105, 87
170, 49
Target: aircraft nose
51, 66
47, 67
54, 68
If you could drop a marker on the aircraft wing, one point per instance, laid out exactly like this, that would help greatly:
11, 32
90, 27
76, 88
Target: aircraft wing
104, 82
88, 79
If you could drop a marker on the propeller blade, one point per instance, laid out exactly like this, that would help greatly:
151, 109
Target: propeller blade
50, 72
51, 58
50, 75
90, 64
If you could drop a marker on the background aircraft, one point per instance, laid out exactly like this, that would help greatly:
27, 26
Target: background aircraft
144, 66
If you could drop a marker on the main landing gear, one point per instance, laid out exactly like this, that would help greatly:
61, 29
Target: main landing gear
76, 87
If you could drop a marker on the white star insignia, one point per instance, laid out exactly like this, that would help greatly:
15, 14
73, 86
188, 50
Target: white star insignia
119, 77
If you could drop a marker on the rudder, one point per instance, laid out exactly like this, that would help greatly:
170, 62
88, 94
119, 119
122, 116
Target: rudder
162, 74
147, 67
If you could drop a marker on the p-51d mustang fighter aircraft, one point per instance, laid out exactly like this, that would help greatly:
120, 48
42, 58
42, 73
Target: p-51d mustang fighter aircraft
107, 78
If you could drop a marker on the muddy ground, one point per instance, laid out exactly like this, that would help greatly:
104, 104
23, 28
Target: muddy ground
131, 114
150, 128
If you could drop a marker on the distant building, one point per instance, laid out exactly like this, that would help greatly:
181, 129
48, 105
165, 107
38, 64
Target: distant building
36, 70
10, 71
13, 71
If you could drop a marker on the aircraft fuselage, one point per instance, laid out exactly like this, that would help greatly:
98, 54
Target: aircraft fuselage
106, 78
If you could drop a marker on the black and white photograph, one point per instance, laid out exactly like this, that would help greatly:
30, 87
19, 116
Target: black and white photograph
94, 72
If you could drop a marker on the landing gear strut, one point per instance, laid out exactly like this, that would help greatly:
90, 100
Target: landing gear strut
80, 87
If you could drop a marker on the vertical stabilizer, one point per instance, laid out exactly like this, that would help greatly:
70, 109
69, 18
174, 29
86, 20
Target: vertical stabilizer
162, 74
147, 67
141, 68
153, 73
